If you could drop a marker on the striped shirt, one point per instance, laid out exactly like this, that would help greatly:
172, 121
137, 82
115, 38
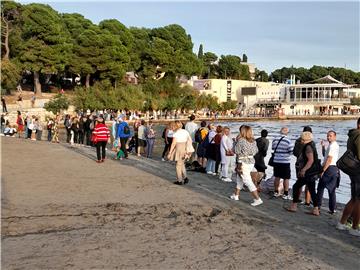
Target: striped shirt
283, 151
101, 133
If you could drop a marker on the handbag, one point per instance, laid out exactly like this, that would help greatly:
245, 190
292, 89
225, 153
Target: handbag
349, 163
271, 160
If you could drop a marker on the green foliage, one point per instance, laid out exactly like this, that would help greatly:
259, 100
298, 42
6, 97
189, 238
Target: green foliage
10, 76
261, 75
230, 68
45, 42
355, 101
58, 103
229, 105
316, 72
201, 52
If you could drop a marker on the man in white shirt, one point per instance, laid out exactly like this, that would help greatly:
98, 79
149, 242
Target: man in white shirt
330, 174
192, 127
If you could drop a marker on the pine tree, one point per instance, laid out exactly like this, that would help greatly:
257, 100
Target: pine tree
201, 52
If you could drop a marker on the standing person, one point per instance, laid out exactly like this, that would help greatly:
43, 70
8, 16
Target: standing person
3, 123
178, 152
282, 148
330, 173
87, 128
262, 144
74, 130
227, 153
200, 136
217, 141
150, 139
55, 129
168, 134
245, 150
210, 150
67, 124
3, 101
20, 124
306, 166
136, 126
101, 136
50, 124
33, 98
352, 208
191, 127
81, 130
39, 128
123, 134
297, 152
141, 138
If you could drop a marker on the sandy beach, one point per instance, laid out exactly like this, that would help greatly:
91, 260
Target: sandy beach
61, 210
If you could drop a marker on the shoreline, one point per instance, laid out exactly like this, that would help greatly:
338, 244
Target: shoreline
257, 118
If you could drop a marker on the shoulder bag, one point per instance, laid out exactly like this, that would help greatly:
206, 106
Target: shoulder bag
271, 160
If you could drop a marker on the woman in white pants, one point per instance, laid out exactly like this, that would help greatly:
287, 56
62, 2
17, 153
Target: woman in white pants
245, 150
226, 150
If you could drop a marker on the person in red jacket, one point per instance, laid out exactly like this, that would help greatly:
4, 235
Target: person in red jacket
100, 135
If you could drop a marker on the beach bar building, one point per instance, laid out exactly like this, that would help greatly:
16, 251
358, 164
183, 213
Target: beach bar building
322, 96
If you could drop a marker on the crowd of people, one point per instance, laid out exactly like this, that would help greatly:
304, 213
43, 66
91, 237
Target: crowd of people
210, 149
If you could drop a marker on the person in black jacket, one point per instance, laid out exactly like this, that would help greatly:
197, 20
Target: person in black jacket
263, 145
87, 130
81, 130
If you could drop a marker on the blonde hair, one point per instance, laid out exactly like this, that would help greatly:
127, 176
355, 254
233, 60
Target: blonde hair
178, 125
247, 133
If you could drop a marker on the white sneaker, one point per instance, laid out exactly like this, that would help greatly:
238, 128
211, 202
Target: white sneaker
234, 197
257, 202
226, 179
163, 159
209, 173
341, 227
287, 197
355, 232
214, 173
276, 194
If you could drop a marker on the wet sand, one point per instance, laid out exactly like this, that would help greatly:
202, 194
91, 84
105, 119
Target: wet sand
61, 210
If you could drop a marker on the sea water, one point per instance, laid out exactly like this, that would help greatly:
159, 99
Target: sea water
319, 128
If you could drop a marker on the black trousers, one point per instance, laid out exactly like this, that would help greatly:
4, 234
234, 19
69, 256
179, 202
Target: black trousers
310, 183
123, 142
81, 137
167, 147
88, 137
101, 145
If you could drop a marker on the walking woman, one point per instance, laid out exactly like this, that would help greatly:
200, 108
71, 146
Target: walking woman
307, 174
101, 136
227, 153
210, 153
168, 138
245, 150
181, 148
20, 124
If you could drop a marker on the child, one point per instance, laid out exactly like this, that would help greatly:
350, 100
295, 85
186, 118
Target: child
116, 148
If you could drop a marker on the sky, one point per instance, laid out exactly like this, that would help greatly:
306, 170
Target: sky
272, 34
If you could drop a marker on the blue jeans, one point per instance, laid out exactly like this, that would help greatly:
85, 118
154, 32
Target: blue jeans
328, 181
149, 147
49, 135
210, 166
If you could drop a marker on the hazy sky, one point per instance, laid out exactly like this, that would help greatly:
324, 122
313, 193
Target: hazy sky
272, 34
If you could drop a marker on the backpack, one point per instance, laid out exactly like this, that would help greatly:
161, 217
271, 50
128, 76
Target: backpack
197, 135
20, 121
126, 129
163, 133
